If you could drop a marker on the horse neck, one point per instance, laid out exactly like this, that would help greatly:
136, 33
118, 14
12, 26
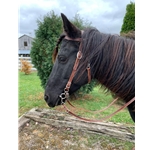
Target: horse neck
113, 62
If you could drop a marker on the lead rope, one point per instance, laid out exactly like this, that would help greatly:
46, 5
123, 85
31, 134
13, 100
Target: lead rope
102, 119
96, 111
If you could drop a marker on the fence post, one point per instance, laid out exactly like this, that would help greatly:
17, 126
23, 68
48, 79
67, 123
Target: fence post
21, 63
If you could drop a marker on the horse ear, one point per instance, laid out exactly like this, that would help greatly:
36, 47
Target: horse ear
71, 30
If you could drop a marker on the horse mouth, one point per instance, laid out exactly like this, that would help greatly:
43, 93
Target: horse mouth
58, 102
53, 101
61, 99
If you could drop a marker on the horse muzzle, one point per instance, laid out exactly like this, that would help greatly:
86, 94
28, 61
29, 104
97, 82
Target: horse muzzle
52, 102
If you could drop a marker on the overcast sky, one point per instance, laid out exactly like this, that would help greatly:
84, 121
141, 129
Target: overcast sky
106, 15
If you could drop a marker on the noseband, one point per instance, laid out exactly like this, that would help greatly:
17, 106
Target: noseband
65, 95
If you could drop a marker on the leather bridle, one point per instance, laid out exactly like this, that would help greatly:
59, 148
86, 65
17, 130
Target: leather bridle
65, 95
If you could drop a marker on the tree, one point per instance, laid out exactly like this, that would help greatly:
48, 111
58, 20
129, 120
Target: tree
129, 19
49, 29
80, 22
44, 42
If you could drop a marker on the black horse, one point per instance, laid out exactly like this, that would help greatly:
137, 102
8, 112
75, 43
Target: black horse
111, 59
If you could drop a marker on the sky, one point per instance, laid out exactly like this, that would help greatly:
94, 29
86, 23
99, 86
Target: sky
106, 15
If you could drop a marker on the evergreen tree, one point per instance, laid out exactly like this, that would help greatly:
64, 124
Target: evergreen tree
129, 19
46, 36
44, 43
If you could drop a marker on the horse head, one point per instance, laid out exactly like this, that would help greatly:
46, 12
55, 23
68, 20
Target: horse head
64, 65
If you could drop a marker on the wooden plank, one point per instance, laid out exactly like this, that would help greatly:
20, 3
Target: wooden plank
22, 122
60, 119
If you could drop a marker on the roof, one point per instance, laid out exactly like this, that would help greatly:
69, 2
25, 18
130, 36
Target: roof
25, 35
23, 51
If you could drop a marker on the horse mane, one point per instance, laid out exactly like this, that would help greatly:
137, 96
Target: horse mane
112, 61
55, 52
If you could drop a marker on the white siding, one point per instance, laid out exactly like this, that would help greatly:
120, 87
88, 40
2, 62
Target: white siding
22, 41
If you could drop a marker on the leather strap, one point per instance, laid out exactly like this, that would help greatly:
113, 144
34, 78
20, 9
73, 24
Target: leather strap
70, 39
102, 119
96, 111
79, 56
89, 73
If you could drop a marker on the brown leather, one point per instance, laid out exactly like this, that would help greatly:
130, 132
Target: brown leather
96, 111
76, 39
102, 119
79, 56
89, 73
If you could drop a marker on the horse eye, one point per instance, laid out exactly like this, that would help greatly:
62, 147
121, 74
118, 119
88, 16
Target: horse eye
62, 58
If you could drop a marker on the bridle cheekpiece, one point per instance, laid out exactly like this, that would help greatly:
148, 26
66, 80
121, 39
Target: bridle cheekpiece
65, 94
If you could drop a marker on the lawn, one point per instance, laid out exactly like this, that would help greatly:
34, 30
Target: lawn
31, 95
30, 92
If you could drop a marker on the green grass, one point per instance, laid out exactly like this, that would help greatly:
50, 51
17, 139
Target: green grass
31, 95
97, 100
30, 92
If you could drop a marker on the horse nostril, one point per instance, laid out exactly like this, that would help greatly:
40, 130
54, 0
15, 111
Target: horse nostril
46, 98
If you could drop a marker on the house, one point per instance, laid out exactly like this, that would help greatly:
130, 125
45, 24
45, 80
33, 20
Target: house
25, 44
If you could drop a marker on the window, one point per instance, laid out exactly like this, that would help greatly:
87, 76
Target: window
25, 43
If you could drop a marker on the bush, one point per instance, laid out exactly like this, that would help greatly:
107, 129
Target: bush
25, 66
46, 36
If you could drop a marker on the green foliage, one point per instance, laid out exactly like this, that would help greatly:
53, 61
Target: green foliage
80, 23
129, 19
49, 29
44, 43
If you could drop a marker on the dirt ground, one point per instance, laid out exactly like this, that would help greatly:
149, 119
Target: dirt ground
39, 136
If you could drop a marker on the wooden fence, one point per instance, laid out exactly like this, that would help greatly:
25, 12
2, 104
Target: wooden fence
27, 59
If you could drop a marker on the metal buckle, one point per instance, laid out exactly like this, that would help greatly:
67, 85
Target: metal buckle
79, 55
64, 96
88, 66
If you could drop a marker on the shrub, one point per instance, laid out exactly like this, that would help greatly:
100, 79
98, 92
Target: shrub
25, 66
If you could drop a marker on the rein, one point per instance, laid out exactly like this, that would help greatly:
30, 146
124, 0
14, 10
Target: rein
102, 119
64, 96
